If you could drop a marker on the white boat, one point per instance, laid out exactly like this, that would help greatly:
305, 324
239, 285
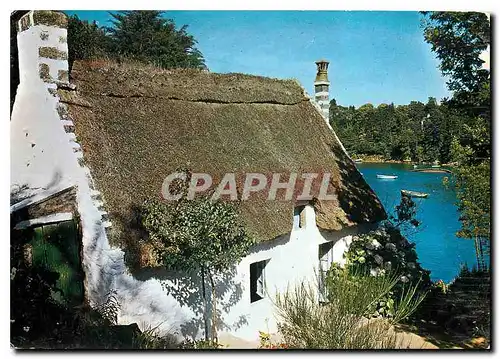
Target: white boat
387, 176
358, 160
414, 194
435, 166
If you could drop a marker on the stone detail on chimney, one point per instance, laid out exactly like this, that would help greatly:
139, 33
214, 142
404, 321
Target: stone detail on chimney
52, 53
43, 55
321, 88
43, 48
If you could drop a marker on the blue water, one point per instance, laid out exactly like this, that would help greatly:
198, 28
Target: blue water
438, 248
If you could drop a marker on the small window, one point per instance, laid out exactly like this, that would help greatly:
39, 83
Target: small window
299, 220
325, 256
257, 280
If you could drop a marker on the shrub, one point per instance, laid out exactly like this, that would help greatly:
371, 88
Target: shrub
340, 323
382, 251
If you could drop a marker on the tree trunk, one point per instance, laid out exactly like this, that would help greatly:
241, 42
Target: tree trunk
205, 307
481, 253
214, 308
476, 246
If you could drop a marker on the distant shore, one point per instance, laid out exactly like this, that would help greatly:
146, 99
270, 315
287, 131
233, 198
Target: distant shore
373, 159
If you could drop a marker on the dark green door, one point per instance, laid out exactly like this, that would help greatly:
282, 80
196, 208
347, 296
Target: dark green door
57, 248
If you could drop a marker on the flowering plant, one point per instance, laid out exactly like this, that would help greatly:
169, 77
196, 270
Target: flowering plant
381, 252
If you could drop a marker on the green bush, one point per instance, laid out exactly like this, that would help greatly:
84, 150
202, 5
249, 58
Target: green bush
86, 40
384, 251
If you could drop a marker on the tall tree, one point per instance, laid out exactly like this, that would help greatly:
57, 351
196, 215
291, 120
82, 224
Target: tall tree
459, 39
149, 37
86, 40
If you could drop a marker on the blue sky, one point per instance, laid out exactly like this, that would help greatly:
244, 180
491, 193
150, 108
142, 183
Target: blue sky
375, 57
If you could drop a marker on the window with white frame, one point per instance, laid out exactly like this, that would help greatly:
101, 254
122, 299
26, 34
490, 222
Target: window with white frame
325, 256
258, 280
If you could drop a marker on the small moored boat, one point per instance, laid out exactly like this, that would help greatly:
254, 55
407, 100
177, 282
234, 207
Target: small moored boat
436, 166
407, 193
358, 160
387, 176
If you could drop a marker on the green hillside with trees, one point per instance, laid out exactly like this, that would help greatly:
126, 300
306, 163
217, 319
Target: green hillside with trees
415, 132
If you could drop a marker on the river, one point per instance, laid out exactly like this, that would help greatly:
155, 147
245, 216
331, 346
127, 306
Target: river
437, 245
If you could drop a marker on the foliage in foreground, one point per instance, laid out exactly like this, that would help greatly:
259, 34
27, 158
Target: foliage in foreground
461, 309
379, 252
341, 323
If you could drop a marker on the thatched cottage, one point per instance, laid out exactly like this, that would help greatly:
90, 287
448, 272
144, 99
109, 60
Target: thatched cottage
92, 149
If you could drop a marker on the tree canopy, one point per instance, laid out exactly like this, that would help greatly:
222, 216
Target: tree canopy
459, 39
197, 235
417, 131
145, 36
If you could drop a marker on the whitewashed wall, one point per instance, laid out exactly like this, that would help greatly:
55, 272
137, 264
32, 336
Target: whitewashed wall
292, 259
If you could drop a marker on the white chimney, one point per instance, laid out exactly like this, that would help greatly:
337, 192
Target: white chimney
321, 88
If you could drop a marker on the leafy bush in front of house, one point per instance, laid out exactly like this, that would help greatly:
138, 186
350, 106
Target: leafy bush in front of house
461, 308
199, 235
341, 322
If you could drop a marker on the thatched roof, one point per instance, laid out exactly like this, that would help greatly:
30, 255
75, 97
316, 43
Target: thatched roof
138, 124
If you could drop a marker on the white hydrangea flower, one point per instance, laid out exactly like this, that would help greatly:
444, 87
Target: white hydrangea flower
388, 265
391, 247
411, 265
375, 244
404, 279
376, 272
378, 259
